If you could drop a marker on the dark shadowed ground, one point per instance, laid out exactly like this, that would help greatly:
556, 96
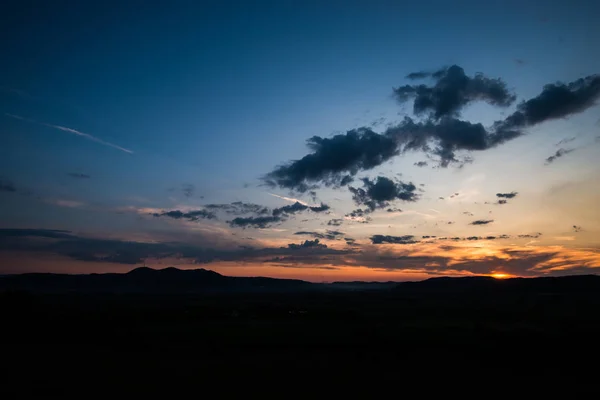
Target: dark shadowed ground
444, 335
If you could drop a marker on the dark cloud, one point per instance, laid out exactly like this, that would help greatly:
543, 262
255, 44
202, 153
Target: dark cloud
299, 207
393, 210
452, 91
577, 228
419, 75
45, 233
559, 153
7, 186
255, 222
323, 207
482, 222
519, 61
334, 161
290, 209
78, 175
188, 189
556, 101
530, 235
239, 208
520, 261
335, 222
502, 201
359, 215
379, 192
566, 140
442, 139
471, 238
421, 164
406, 239
125, 252
349, 241
119, 257
193, 215
328, 234
346, 180
307, 244
507, 195
79, 248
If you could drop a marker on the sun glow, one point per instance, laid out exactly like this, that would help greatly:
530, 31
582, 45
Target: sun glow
500, 276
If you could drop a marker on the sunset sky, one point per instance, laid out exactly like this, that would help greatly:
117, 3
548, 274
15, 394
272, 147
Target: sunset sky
318, 140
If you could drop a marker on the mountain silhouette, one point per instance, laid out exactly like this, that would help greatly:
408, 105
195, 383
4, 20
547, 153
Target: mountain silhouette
145, 279
174, 280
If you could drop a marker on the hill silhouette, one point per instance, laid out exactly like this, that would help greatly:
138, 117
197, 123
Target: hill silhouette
174, 280
146, 280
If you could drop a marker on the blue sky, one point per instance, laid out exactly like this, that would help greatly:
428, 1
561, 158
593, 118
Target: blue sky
211, 96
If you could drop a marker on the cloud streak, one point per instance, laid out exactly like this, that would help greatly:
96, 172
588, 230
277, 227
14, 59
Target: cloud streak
78, 175
559, 153
482, 222
510, 195
192, 215
73, 131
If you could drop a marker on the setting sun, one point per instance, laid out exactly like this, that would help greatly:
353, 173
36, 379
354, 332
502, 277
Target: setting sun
501, 276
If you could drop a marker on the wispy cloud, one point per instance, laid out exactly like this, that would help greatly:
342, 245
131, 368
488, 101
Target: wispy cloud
290, 199
564, 238
66, 203
73, 131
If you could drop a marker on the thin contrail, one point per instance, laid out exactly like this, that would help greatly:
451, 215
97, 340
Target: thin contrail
73, 131
290, 199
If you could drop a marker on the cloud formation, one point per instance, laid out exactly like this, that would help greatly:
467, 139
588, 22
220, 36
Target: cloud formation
556, 101
78, 175
239, 208
452, 91
193, 215
307, 244
406, 239
359, 215
559, 153
328, 234
255, 222
335, 161
482, 222
379, 192
188, 189
444, 256
507, 195
299, 207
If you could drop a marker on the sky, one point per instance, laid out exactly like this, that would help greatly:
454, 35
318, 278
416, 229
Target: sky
324, 141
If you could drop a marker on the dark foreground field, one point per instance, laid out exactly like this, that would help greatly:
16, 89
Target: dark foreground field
415, 339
